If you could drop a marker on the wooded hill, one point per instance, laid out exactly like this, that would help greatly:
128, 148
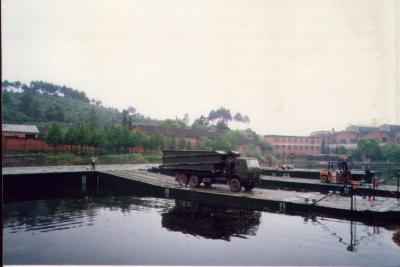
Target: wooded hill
42, 103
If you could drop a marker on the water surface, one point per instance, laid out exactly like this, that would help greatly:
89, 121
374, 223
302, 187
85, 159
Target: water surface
147, 230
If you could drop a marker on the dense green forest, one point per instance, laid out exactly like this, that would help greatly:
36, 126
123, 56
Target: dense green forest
42, 103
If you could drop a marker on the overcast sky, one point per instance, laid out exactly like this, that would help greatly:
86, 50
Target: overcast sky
292, 66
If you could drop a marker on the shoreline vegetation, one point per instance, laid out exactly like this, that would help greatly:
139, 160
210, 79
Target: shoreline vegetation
67, 158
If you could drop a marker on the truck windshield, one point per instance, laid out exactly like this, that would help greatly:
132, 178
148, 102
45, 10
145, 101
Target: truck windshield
252, 163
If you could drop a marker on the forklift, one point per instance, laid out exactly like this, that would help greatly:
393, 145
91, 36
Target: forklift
335, 172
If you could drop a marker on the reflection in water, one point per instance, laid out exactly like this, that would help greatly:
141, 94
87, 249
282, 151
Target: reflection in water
211, 221
64, 214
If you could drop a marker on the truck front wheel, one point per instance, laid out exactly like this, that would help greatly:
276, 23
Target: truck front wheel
234, 185
194, 181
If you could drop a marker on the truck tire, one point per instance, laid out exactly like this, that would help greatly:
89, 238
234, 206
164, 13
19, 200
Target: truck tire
182, 179
234, 185
194, 181
249, 187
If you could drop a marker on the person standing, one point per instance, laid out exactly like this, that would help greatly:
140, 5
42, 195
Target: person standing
93, 162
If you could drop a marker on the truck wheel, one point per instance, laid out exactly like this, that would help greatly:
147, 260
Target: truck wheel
234, 185
248, 187
324, 179
207, 184
194, 181
182, 179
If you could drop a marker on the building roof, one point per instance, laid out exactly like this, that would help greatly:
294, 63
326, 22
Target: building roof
361, 128
321, 133
389, 127
20, 128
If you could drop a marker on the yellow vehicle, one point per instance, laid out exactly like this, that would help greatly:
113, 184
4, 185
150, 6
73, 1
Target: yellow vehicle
335, 172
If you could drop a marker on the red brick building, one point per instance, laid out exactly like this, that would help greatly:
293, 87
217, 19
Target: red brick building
295, 144
346, 139
380, 136
384, 134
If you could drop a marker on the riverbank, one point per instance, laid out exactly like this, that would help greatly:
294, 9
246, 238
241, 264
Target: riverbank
64, 158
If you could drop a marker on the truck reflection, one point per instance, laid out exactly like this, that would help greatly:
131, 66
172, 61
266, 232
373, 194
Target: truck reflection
211, 221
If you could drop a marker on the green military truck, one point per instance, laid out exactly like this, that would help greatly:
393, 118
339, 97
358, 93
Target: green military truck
193, 167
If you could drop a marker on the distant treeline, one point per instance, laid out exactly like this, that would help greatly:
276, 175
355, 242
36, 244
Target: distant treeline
119, 139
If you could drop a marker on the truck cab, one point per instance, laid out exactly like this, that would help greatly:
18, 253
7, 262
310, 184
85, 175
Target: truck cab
248, 171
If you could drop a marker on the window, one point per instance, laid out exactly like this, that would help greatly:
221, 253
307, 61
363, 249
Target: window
252, 163
343, 141
289, 147
384, 140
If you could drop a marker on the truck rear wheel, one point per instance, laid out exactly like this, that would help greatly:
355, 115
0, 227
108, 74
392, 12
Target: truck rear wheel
234, 185
182, 179
194, 181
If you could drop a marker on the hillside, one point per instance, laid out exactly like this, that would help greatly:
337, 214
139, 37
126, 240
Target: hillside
43, 103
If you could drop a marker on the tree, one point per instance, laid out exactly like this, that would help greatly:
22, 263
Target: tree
238, 118
177, 123
181, 143
125, 115
324, 147
59, 113
246, 119
369, 149
200, 123
341, 150
82, 136
171, 142
390, 152
131, 110
96, 139
6, 97
92, 120
54, 136
220, 117
30, 106
129, 122
204, 143
69, 137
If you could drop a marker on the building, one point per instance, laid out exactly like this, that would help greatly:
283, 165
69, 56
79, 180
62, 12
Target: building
347, 139
311, 145
20, 131
295, 144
